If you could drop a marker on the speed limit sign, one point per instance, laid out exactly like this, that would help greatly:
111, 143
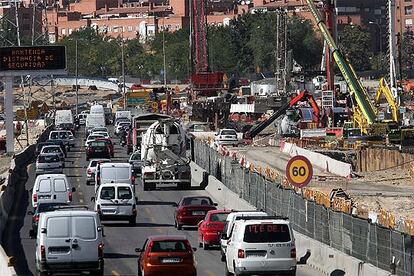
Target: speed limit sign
299, 171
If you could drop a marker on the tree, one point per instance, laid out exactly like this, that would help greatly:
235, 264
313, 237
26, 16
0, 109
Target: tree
407, 50
222, 52
306, 46
354, 43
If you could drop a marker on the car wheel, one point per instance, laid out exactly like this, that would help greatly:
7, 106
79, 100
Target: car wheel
139, 271
87, 158
98, 272
226, 271
146, 188
132, 221
205, 246
41, 273
223, 257
178, 226
292, 273
180, 186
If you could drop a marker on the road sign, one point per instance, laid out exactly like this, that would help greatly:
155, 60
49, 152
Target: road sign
32, 58
299, 171
32, 114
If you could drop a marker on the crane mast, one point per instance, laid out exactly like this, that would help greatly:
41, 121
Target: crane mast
358, 91
199, 21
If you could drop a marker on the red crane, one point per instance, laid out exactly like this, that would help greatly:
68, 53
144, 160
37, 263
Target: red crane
204, 82
328, 9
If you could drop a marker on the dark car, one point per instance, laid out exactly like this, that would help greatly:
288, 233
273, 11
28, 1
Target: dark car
166, 255
192, 209
109, 143
61, 143
97, 149
41, 208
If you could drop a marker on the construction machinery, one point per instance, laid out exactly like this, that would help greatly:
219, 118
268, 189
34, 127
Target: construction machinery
203, 81
364, 112
385, 90
163, 156
303, 96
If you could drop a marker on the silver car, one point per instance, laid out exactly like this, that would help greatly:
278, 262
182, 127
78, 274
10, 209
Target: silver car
48, 163
53, 149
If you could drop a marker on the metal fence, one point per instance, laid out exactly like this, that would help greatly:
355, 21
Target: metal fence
354, 236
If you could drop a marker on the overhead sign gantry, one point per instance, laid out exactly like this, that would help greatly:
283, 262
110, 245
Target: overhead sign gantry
22, 61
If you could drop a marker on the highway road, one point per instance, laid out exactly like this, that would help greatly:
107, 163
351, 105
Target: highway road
155, 216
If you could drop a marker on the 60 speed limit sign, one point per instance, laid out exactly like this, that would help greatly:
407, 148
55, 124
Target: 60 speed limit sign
299, 171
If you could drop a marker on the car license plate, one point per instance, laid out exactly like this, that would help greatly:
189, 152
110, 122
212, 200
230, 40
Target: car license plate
44, 196
170, 260
198, 213
109, 211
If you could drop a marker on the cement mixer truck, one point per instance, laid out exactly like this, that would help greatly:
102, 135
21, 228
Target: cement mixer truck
163, 155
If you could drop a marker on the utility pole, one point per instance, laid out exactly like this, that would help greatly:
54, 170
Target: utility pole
163, 52
123, 68
76, 78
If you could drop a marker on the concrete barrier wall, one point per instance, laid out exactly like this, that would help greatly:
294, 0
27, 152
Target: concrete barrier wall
319, 160
15, 177
323, 257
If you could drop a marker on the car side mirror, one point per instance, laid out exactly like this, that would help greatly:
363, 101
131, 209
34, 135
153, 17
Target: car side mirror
101, 229
194, 249
175, 204
136, 199
84, 139
138, 250
93, 198
30, 213
43, 231
73, 189
223, 236
215, 204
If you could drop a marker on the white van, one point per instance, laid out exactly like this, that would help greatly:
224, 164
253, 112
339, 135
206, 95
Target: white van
261, 246
113, 173
63, 118
228, 227
94, 120
116, 201
97, 109
69, 240
52, 188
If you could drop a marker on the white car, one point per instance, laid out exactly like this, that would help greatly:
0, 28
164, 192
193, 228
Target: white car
116, 201
113, 173
69, 240
92, 137
120, 126
261, 246
90, 170
226, 137
49, 163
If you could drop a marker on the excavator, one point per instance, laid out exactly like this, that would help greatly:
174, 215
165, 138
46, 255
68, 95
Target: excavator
385, 90
302, 96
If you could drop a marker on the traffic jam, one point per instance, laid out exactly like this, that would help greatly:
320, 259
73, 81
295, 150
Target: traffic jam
70, 234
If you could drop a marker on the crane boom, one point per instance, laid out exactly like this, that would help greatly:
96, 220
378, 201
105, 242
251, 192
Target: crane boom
392, 102
346, 69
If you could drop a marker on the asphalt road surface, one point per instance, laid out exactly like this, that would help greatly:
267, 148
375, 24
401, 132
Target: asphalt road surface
155, 216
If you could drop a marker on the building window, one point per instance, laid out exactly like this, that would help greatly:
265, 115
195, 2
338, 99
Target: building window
115, 29
123, 29
63, 31
130, 28
408, 10
409, 22
70, 31
109, 29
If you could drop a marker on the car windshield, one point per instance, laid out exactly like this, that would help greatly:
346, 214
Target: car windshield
93, 137
124, 193
266, 232
228, 132
218, 217
51, 150
54, 135
136, 156
63, 135
108, 193
197, 201
169, 246
48, 158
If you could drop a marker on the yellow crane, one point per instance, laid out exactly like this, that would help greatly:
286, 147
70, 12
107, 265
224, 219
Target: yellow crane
385, 90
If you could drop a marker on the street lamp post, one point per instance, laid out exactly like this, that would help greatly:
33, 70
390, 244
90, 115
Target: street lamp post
163, 52
380, 32
76, 77
123, 67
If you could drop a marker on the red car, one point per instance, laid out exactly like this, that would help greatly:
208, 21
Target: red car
166, 255
210, 229
192, 209
109, 143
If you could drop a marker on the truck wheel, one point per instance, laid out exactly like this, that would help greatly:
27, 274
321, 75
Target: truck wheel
187, 186
153, 186
98, 272
146, 188
41, 273
180, 186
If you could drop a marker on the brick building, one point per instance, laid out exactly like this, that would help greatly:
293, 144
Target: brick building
404, 15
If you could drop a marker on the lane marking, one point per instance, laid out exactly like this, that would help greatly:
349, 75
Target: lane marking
210, 273
114, 272
80, 200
